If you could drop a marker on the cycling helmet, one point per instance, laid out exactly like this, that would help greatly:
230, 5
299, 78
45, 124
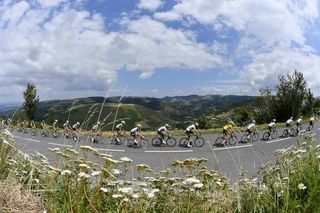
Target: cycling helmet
196, 124
138, 125
301, 117
78, 123
56, 120
291, 117
167, 125
253, 121
274, 120
123, 122
98, 123
232, 123
67, 121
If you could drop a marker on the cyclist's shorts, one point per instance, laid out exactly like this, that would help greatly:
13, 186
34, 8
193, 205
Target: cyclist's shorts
224, 131
249, 131
118, 130
133, 134
288, 125
161, 133
74, 129
189, 133
298, 124
311, 123
270, 128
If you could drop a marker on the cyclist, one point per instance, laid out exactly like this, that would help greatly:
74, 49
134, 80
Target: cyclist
289, 122
95, 130
119, 131
227, 130
66, 127
33, 125
190, 131
271, 127
299, 121
311, 122
163, 132
76, 127
251, 127
136, 133
24, 126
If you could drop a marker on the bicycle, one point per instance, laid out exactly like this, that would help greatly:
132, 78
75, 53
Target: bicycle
34, 132
45, 133
253, 137
157, 141
56, 134
273, 134
310, 128
198, 142
289, 132
141, 143
231, 140
121, 140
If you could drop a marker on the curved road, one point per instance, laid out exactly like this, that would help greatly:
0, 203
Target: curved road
229, 160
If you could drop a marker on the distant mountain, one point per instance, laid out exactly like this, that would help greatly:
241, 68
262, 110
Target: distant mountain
151, 112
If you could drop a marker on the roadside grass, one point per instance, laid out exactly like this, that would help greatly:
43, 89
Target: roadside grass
74, 183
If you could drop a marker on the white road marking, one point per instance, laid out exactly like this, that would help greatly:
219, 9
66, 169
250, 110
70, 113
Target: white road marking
63, 145
111, 150
27, 139
279, 140
169, 151
235, 147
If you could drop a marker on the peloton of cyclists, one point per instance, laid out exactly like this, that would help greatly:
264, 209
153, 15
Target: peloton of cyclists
190, 131
163, 132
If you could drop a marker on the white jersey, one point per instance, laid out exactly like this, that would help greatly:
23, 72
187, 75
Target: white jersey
134, 130
272, 124
250, 126
289, 121
55, 124
95, 127
66, 125
119, 126
75, 126
191, 127
299, 121
163, 128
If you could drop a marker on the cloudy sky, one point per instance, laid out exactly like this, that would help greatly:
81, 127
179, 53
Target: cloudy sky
77, 48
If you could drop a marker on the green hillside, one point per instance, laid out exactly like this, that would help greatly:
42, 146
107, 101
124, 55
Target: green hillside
150, 112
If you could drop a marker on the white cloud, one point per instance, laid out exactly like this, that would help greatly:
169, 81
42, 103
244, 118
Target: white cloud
68, 51
50, 3
151, 5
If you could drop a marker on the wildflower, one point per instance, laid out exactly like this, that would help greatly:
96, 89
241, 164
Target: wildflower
285, 178
280, 193
87, 148
136, 196
65, 172
41, 155
116, 171
85, 166
72, 151
154, 191
126, 200
126, 190
95, 173
301, 186
150, 195
116, 196
36, 180
191, 180
104, 190
198, 185
125, 160
83, 175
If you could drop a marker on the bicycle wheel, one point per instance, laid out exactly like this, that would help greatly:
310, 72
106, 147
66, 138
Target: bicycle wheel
266, 136
244, 138
144, 143
171, 142
199, 142
156, 141
274, 134
183, 141
219, 141
233, 140
34, 133
130, 142
285, 133
255, 137
293, 132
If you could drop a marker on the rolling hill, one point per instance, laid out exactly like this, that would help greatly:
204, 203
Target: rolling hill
179, 111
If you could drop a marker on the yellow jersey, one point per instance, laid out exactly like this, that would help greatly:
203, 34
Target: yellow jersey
228, 127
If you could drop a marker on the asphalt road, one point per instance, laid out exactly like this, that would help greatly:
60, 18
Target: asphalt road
229, 160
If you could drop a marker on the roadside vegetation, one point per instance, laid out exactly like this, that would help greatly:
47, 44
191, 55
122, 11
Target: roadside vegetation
74, 182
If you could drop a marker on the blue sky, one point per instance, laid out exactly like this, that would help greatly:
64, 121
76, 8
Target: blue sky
77, 48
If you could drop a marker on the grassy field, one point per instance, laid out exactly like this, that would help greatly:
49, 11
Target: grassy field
73, 183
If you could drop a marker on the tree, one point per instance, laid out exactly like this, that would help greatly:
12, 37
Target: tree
30, 101
291, 92
309, 104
